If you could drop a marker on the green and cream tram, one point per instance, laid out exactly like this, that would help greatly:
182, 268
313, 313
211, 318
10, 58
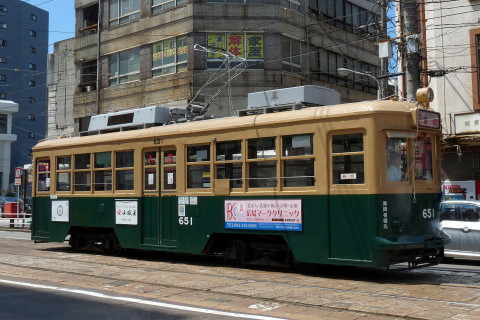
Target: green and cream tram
316, 185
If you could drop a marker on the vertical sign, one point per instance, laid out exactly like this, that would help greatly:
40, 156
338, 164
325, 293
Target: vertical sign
18, 176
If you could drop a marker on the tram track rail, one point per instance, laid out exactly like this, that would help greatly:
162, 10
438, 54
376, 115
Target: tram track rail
329, 290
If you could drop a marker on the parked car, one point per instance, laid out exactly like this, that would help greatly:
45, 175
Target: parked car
460, 220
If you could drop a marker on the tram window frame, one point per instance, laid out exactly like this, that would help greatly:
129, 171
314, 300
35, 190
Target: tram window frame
294, 153
261, 165
43, 176
196, 165
102, 172
169, 168
64, 173
150, 170
82, 172
340, 156
229, 162
423, 171
397, 148
125, 170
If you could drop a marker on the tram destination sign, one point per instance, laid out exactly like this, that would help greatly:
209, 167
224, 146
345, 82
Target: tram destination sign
267, 214
428, 119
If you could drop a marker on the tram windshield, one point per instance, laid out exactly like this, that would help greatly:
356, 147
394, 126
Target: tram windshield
397, 159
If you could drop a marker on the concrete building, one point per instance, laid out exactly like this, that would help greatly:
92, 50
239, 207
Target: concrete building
23, 48
61, 83
453, 43
7, 109
130, 54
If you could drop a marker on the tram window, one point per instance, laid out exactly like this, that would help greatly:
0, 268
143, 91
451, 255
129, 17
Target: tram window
348, 168
198, 153
262, 148
232, 171
63, 178
423, 158
262, 174
103, 178
347, 143
397, 159
82, 181
169, 169
150, 158
298, 172
43, 172
103, 160
124, 179
82, 161
229, 150
229, 156
150, 177
198, 175
298, 145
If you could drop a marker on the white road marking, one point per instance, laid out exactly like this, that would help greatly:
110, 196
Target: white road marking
141, 301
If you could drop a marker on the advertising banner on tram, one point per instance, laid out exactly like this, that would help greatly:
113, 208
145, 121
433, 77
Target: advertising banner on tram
268, 214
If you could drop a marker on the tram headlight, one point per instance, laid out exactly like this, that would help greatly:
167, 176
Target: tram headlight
425, 95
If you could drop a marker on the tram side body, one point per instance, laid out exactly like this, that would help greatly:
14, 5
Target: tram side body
369, 229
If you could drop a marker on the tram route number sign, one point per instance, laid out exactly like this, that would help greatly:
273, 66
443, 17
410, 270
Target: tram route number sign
267, 214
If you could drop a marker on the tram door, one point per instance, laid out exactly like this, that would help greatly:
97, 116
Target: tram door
159, 200
348, 210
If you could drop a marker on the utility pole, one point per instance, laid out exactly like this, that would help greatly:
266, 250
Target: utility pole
411, 59
383, 61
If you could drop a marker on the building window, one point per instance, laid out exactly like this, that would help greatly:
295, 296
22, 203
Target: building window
3, 123
3, 43
248, 46
3, 77
162, 5
3, 26
32, 83
32, 66
31, 134
32, 33
31, 100
3, 95
292, 55
3, 60
169, 56
33, 50
123, 11
31, 117
124, 66
3, 8
33, 17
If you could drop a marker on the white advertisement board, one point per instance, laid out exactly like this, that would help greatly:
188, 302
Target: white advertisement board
126, 212
60, 211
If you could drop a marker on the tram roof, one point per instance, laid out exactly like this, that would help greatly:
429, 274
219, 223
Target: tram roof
306, 114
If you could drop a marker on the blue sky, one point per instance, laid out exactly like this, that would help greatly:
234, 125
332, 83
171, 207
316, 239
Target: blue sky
61, 19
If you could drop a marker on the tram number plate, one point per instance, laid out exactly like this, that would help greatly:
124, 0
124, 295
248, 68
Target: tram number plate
157, 141
428, 213
185, 221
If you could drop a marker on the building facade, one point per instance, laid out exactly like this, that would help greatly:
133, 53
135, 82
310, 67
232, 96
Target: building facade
23, 48
136, 53
7, 109
453, 56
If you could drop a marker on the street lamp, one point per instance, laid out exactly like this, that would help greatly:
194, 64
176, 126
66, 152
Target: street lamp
345, 72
